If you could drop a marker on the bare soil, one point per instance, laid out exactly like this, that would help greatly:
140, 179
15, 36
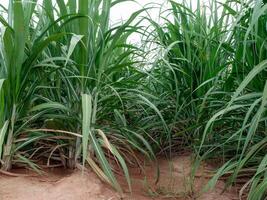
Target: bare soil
59, 184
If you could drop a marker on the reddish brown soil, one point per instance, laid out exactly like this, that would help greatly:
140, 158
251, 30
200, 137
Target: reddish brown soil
174, 183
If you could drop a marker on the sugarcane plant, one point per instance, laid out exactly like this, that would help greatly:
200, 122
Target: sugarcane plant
77, 96
21, 49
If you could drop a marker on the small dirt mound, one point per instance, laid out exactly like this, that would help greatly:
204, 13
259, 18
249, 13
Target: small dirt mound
74, 186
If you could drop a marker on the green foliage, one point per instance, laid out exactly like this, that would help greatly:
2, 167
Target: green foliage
73, 94
74, 90
237, 130
212, 73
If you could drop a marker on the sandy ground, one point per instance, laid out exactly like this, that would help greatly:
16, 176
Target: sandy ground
61, 185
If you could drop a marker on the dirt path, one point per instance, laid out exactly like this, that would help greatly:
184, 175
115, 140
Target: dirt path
59, 185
